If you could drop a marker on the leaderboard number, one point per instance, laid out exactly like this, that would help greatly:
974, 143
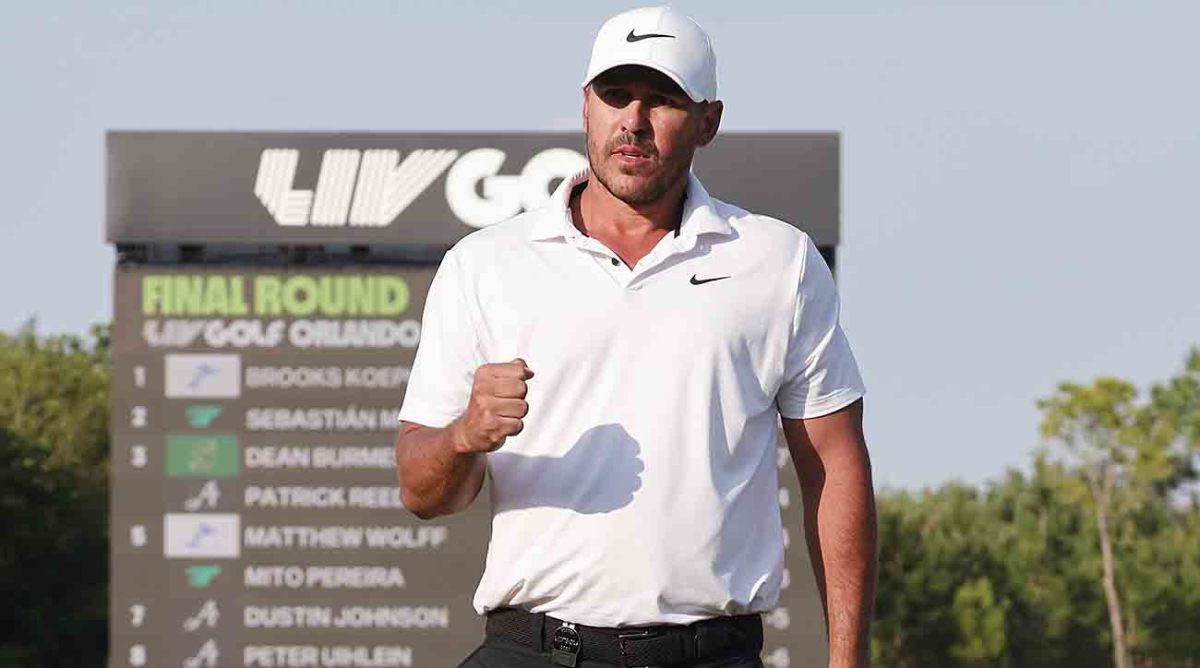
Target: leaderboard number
137, 617
137, 535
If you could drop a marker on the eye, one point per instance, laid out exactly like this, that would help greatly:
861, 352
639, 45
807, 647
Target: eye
662, 100
616, 97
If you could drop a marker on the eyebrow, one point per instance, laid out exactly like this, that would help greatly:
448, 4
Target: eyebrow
672, 92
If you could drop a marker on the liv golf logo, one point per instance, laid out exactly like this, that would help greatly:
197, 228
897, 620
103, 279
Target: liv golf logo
372, 188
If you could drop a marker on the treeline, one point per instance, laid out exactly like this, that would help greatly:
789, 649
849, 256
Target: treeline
1092, 558
54, 452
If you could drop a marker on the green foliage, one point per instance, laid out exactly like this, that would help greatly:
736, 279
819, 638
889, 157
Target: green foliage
981, 620
54, 500
54, 393
992, 577
1009, 575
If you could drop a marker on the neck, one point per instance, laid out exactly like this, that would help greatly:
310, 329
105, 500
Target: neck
599, 213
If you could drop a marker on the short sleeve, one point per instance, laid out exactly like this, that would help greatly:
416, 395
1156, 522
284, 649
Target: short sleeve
820, 372
448, 353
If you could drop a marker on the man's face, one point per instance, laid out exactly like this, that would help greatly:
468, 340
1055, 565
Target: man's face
642, 131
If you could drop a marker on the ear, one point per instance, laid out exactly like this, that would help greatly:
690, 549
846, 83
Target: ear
710, 122
586, 89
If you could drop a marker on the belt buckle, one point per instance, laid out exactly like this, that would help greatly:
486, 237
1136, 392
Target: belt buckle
634, 635
565, 646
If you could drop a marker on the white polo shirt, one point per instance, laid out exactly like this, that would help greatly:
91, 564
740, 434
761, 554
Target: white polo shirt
643, 488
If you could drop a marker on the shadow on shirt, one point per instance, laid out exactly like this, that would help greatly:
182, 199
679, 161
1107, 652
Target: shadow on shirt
599, 474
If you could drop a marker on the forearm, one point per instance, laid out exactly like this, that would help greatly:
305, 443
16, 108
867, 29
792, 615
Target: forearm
436, 477
840, 530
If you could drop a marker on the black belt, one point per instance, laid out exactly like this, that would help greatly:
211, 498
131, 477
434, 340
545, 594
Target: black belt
663, 645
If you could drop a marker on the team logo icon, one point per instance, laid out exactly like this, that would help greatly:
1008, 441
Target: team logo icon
201, 415
206, 498
209, 376
201, 576
202, 535
207, 617
202, 456
208, 656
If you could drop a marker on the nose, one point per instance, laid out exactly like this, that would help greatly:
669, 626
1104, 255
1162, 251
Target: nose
635, 118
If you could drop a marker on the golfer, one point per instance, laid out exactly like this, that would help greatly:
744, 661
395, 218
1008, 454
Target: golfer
618, 362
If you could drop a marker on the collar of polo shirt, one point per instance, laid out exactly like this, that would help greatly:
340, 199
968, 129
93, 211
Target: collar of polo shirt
699, 214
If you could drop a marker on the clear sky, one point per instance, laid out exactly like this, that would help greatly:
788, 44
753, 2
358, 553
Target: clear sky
1021, 180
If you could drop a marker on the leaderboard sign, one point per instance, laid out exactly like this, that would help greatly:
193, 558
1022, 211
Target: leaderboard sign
256, 518
412, 189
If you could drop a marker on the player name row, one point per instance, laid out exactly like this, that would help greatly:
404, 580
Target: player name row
293, 656
210, 655
370, 497
341, 577
343, 656
352, 418
319, 457
189, 381
375, 497
344, 537
324, 377
278, 656
210, 615
323, 577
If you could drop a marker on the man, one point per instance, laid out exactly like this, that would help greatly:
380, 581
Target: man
617, 362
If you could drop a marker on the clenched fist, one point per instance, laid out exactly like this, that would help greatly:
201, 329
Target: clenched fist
496, 407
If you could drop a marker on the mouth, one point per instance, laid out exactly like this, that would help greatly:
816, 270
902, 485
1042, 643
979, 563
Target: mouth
628, 154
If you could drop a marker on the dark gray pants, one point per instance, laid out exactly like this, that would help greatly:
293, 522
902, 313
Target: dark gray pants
501, 653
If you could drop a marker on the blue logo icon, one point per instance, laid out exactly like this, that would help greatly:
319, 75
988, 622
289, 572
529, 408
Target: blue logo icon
200, 374
203, 530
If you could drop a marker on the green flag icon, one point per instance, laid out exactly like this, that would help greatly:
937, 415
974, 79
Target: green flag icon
201, 415
200, 576
202, 455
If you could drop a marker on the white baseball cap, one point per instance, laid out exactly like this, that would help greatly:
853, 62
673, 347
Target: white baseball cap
660, 38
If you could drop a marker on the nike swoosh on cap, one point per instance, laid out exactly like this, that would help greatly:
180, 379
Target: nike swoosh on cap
650, 35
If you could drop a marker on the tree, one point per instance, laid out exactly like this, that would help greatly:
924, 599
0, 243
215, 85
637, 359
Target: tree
54, 446
999, 576
1163, 534
1131, 457
1097, 429
53, 560
1013, 574
54, 392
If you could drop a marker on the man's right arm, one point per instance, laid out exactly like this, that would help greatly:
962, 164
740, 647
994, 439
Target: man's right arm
441, 469
436, 476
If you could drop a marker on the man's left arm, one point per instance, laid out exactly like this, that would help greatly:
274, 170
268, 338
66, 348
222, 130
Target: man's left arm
831, 460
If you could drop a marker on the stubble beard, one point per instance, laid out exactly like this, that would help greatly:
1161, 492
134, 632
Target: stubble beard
642, 190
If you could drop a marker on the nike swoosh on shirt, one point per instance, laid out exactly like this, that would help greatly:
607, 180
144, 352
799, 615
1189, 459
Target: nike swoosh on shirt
702, 281
650, 35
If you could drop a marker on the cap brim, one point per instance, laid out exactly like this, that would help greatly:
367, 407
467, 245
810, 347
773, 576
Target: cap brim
674, 76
